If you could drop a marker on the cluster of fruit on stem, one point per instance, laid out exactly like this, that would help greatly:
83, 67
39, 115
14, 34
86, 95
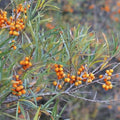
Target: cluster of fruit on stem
3, 18
59, 71
18, 88
82, 76
107, 77
17, 85
15, 23
26, 63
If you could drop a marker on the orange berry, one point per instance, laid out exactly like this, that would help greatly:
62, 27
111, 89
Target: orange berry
56, 69
8, 22
14, 93
25, 17
12, 28
76, 83
92, 78
12, 89
60, 86
21, 87
89, 80
68, 75
108, 82
21, 20
63, 75
79, 82
82, 67
30, 64
11, 17
17, 77
111, 70
87, 75
58, 74
22, 62
67, 80
108, 78
22, 26
106, 87
14, 47
18, 107
84, 80
24, 67
27, 66
107, 71
26, 58
100, 76
79, 78
54, 83
19, 111
78, 72
14, 85
18, 88
61, 66
20, 82
73, 77
28, 6
19, 93
13, 41
110, 86
56, 65
84, 76
60, 69
11, 32
71, 81
61, 72
16, 33
12, 24
26, 62
105, 79
91, 75
17, 26
23, 91
59, 77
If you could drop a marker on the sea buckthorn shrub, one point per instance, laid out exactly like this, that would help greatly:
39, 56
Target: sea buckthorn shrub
42, 65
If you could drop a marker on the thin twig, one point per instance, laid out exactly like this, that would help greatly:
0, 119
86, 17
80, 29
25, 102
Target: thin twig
92, 100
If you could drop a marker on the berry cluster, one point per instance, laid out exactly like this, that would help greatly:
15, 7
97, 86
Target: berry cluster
26, 63
20, 8
73, 80
59, 71
107, 77
18, 88
16, 26
89, 77
82, 76
3, 18
80, 70
16, 23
